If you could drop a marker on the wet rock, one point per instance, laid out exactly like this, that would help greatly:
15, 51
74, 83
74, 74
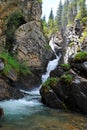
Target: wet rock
58, 72
50, 99
1, 112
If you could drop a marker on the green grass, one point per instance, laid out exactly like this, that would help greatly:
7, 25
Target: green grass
12, 64
67, 78
50, 82
65, 66
81, 56
40, 1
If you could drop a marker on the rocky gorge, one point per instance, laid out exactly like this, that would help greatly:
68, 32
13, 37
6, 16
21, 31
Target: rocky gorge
21, 34
26, 41
66, 88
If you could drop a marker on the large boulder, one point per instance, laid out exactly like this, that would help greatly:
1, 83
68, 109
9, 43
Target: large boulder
31, 45
69, 87
50, 98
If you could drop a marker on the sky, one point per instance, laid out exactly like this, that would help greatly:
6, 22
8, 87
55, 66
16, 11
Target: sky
47, 5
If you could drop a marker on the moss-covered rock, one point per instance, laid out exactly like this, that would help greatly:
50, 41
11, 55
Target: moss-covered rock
12, 64
65, 66
66, 78
81, 57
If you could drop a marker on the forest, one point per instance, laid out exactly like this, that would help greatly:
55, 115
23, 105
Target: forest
66, 14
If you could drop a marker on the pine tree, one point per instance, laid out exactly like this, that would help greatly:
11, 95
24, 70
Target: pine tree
51, 16
65, 14
59, 16
51, 19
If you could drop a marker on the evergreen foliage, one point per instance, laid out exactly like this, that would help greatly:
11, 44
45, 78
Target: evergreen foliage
59, 16
65, 15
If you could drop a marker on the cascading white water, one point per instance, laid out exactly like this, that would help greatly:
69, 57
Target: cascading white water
51, 66
31, 103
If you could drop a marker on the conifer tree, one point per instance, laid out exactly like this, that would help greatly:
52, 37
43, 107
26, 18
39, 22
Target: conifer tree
59, 16
65, 14
51, 19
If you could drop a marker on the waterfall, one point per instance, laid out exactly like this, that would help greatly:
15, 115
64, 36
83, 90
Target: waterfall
30, 103
51, 66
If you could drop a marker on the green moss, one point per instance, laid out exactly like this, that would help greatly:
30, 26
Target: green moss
12, 63
84, 19
71, 44
40, 1
51, 82
65, 66
67, 78
84, 35
81, 56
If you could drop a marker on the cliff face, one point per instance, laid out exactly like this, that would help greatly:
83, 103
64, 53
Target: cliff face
30, 43
7, 7
28, 39
20, 29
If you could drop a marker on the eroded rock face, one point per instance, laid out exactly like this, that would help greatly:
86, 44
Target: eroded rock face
31, 10
30, 44
7, 7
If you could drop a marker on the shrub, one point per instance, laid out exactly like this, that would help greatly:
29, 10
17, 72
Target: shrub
81, 56
12, 63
